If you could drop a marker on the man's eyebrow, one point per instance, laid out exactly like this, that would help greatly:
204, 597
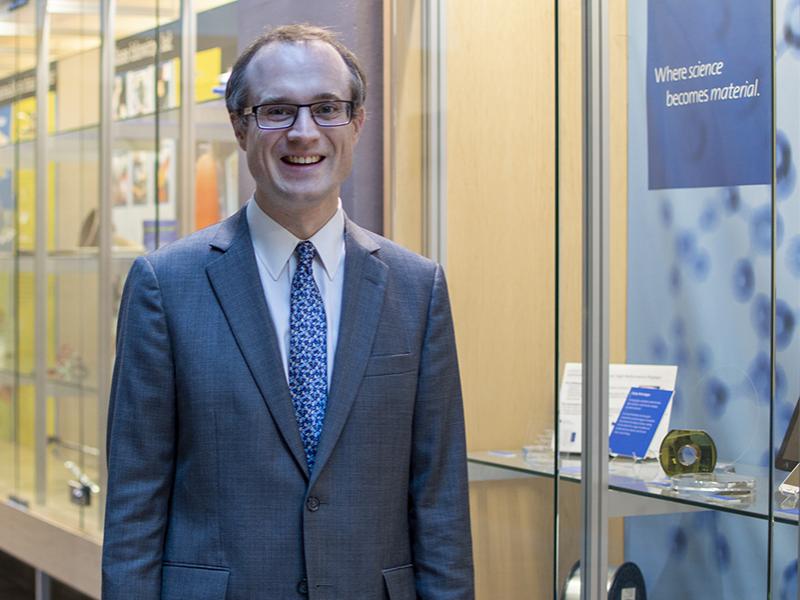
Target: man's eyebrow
289, 100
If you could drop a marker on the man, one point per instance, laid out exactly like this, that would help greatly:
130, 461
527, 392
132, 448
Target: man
286, 416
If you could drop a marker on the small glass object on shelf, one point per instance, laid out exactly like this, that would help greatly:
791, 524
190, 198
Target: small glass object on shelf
541, 453
687, 451
724, 488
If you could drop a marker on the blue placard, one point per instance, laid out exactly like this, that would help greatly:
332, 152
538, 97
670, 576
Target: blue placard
709, 93
638, 421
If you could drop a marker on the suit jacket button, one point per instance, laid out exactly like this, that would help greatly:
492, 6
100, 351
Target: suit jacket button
302, 587
312, 503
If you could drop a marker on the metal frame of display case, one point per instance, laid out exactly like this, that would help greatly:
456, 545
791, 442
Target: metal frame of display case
594, 459
434, 177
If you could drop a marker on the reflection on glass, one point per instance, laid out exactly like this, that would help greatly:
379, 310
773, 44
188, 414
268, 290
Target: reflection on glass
217, 192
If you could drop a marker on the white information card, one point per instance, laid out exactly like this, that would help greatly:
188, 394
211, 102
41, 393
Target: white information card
621, 379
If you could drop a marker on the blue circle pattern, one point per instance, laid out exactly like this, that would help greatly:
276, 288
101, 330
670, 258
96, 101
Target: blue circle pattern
675, 282
784, 320
709, 218
701, 264
659, 350
784, 324
723, 549
761, 315
704, 357
685, 245
759, 376
744, 280
682, 355
678, 542
716, 397
793, 256
761, 230
731, 200
665, 213
785, 172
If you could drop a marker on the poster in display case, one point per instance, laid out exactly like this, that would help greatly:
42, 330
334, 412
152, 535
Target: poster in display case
142, 184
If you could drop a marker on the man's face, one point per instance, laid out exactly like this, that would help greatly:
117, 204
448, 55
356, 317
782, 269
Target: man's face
304, 166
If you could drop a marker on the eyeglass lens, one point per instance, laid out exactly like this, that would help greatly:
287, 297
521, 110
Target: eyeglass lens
329, 113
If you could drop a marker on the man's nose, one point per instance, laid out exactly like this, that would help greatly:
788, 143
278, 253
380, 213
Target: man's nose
304, 125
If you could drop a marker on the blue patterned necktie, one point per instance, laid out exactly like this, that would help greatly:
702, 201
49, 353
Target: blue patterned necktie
308, 352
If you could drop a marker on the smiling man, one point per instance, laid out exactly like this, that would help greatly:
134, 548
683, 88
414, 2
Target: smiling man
285, 417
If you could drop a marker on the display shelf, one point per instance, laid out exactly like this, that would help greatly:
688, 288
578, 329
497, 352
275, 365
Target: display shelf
56, 388
17, 479
636, 486
211, 124
69, 261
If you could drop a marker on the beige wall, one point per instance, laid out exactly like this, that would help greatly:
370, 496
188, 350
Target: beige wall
403, 139
501, 215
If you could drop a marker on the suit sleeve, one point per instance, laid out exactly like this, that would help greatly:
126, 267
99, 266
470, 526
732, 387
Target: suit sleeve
140, 443
439, 501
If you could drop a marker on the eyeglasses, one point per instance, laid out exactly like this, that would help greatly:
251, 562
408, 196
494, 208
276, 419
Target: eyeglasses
328, 113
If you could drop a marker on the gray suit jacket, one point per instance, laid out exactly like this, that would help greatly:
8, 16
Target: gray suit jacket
209, 495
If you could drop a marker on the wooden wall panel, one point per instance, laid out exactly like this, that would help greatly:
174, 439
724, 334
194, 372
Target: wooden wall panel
500, 214
512, 537
404, 207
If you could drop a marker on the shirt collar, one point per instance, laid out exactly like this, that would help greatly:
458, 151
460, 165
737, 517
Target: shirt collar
274, 245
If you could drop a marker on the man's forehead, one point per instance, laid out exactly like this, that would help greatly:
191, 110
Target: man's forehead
284, 69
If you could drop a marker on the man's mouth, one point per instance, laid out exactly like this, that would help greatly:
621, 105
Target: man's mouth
303, 160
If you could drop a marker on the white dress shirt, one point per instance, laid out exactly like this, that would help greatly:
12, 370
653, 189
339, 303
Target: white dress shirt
274, 248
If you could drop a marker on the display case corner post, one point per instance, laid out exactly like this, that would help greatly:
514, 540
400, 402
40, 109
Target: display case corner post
594, 458
105, 300
40, 250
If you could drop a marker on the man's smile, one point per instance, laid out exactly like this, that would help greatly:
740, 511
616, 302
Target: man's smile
303, 160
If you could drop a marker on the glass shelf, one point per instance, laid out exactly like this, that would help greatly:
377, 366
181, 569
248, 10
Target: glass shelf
69, 261
644, 479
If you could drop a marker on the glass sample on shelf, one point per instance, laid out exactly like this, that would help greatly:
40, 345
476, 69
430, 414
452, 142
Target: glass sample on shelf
687, 451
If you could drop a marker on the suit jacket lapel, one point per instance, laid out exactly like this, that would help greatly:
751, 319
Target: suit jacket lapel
362, 298
237, 285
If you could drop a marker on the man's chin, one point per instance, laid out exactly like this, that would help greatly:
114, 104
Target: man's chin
292, 198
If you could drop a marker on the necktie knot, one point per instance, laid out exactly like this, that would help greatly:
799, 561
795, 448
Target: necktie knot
305, 253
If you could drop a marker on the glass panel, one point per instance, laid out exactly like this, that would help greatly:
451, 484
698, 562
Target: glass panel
500, 263
569, 315
690, 288
134, 196
9, 388
72, 452
786, 376
19, 103
216, 158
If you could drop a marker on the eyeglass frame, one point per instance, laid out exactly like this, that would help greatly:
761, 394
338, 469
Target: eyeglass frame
253, 110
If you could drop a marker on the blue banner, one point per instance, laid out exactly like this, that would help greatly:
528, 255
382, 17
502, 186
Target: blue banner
709, 90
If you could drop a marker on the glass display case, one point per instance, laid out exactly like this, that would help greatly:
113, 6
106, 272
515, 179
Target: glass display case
677, 299
87, 183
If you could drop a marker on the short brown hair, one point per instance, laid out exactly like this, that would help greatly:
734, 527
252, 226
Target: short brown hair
236, 91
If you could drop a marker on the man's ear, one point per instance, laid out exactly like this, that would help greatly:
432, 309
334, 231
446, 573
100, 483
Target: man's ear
239, 125
359, 118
